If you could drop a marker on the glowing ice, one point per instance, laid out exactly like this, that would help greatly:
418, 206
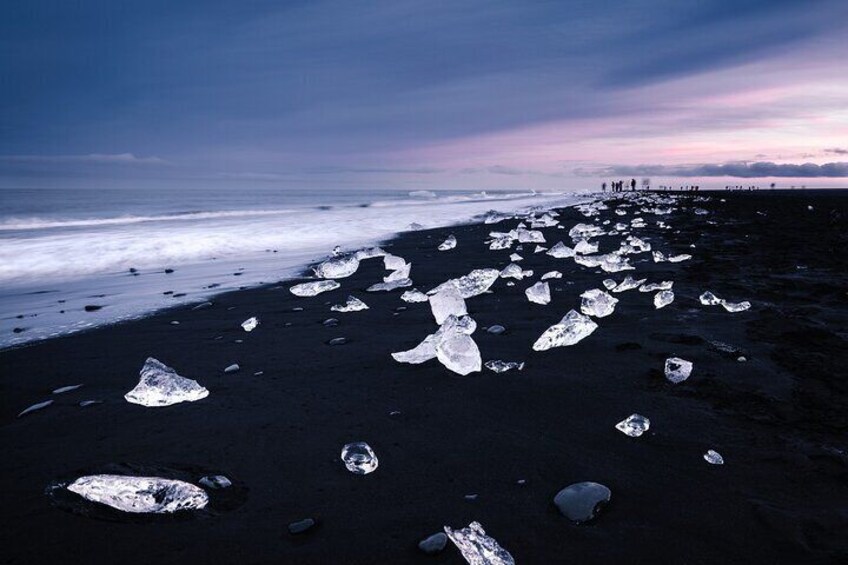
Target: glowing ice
313, 288
713, 457
160, 385
414, 295
530, 236
455, 349
597, 303
677, 370
678, 258
651, 287
512, 271
473, 284
539, 293
338, 267
499, 366
446, 302
250, 324
422, 352
610, 284
629, 283
663, 298
399, 274
551, 275
560, 251
140, 495
573, 327
584, 231
477, 548
585, 248
448, 244
359, 458
736, 306
634, 425
353, 304
515, 257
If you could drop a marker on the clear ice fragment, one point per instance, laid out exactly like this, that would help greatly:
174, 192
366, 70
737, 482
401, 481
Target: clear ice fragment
551, 275
160, 385
736, 306
677, 370
710, 299
584, 247
713, 457
634, 425
515, 257
477, 548
597, 303
512, 271
446, 302
338, 267
561, 251
539, 293
629, 283
414, 295
313, 288
573, 327
448, 244
651, 287
389, 286
610, 284
359, 458
353, 304
140, 495
250, 324
499, 366
663, 298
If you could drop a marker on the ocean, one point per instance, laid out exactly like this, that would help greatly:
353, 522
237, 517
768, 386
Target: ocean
62, 250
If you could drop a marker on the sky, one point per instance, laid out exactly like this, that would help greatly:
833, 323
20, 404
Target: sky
438, 94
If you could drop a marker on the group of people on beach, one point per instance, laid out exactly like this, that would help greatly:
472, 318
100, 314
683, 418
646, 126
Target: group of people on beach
618, 186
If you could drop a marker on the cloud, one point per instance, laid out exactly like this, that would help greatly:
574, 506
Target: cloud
97, 158
743, 169
837, 151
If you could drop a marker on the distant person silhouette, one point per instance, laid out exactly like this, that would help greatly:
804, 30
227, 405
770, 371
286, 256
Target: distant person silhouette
632, 184
603, 187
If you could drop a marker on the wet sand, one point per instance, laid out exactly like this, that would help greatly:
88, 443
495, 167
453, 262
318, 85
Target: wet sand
779, 418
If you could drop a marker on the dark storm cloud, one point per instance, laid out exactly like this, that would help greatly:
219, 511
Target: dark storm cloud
760, 169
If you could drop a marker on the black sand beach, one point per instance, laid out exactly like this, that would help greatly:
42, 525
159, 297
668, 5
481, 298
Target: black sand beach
779, 418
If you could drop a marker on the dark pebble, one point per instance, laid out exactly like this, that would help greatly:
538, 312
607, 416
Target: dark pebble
92, 307
301, 526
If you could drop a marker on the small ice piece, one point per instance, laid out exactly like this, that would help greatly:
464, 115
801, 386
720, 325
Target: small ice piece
393, 262
313, 288
659, 257
215, 482
561, 251
551, 275
477, 548
663, 298
710, 299
573, 327
499, 366
64, 389
359, 458
584, 247
736, 306
597, 303
678, 258
713, 457
455, 349
539, 249
447, 302
651, 287
399, 274
422, 352
584, 231
677, 370
473, 284
515, 257
234, 368
389, 286
530, 236
634, 425
414, 295
610, 284
35, 407
353, 304
629, 283
338, 267
433, 544
539, 293
581, 502
160, 385
448, 244
140, 495
512, 271
250, 324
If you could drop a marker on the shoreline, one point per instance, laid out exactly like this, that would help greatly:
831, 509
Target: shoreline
777, 417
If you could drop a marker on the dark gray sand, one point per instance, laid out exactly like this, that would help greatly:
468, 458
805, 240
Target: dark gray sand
779, 419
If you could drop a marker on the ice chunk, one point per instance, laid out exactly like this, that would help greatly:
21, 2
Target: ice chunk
634, 425
250, 324
473, 284
160, 385
502, 242
539, 293
389, 286
678, 258
581, 502
313, 288
353, 304
663, 298
499, 366
370, 253
651, 287
597, 303
551, 275
414, 295
448, 244
610, 284
585, 248
560, 251
456, 350
140, 495
584, 231
710, 299
713, 458
359, 458
399, 274
35, 407
677, 370
629, 283
477, 548
338, 267
659, 257
515, 257
393, 262
539, 249
573, 327
512, 271
422, 352
614, 263
446, 302
736, 306
530, 236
